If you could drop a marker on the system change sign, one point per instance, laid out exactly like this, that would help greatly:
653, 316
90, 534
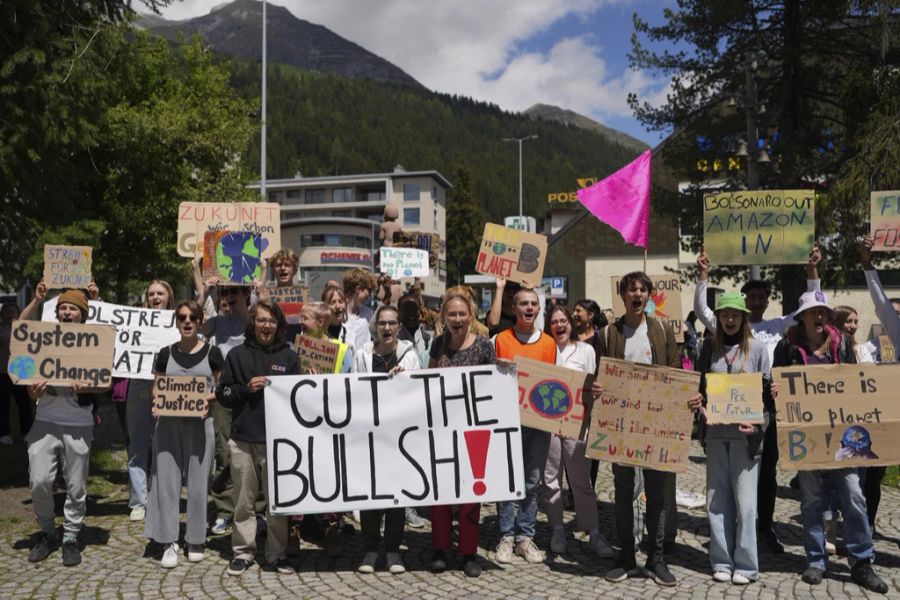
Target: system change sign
368, 441
840, 416
759, 227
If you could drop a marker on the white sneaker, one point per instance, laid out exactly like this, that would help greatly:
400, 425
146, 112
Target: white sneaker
738, 579
170, 557
558, 542
504, 552
137, 513
6, 440
196, 552
721, 576
527, 550
600, 546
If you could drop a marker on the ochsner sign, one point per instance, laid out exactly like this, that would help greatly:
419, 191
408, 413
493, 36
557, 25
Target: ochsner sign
366, 441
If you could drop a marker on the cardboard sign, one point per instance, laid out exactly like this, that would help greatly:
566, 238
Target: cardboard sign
551, 397
234, 257
734, 399
180, 396
838, 416
196, 218
885, 221
759, 227
422, 241
642, 418
363, 441
61, 353
289, 299
140, 334
664, 303
887, 354
404, 262
67, 266
513, 254
320, 354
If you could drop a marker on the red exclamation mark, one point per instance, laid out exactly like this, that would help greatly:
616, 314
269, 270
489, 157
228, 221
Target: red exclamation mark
477, 442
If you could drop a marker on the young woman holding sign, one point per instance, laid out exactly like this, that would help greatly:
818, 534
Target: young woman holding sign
183, 446
568, 453
387, 354
458, 346
733, 451
812, 341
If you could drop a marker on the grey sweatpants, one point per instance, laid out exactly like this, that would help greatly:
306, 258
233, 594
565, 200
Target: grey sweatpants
49, 447
248, 467
182, 454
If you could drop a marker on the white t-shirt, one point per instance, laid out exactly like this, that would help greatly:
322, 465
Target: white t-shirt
578, 356
637, 344
59, 405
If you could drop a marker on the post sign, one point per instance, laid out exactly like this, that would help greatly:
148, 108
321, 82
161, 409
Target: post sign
364, 441
838, 416
61, 353
197, 218
513, 254
642, 419
67, 266
734, 399
759, 227
664, 303
180, 396
551, 398
885, 220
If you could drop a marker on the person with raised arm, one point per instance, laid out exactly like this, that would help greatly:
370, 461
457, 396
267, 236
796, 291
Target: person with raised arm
770, 332
886, 308
639, 338
458, 346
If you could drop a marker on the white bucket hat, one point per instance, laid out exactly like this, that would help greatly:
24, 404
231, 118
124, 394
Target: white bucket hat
813, 300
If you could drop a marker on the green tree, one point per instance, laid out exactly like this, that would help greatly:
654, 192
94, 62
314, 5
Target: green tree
465, 226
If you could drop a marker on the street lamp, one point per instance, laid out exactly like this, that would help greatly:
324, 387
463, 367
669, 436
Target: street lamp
262, 145
520, 140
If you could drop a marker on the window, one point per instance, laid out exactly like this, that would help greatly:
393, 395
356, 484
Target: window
306, 241
342, 195
315, 197
332, 239
411, 192
340, 213
375, 197
434, 193
434, 224
295, 194
410, 216
275, 196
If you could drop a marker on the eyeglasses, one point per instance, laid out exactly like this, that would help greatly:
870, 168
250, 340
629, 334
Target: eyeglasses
264, 321
183, 318
387, 323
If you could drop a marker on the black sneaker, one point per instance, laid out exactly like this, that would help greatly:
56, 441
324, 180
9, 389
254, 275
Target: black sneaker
284, 566
438, 562
813, 576
71, 554
471, 566
237, 567
45, 544
770, 541
660, 573
621, 569
863, 574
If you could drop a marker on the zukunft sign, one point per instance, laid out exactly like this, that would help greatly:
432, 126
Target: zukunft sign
366, 441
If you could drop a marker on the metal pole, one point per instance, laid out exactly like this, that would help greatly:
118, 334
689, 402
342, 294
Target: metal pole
520, 180
262, 152
752, 145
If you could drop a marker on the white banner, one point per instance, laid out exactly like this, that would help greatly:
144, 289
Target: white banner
362, 441
140, 334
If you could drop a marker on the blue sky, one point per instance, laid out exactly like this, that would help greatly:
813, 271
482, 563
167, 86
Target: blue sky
569, 53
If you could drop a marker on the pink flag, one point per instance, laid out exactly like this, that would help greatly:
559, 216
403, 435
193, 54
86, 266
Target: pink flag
622, 200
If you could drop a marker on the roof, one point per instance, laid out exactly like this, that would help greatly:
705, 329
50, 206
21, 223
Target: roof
357, 178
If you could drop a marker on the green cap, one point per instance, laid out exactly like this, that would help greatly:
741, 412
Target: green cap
732, 300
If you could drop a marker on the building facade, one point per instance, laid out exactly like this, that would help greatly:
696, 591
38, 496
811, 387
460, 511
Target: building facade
333, 223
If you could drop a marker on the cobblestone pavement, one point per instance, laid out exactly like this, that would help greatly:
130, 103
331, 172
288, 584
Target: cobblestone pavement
115, 565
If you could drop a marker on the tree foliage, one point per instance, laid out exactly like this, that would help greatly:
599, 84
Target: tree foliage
465, 226
816, 65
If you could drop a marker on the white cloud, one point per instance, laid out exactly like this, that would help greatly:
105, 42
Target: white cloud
472, 47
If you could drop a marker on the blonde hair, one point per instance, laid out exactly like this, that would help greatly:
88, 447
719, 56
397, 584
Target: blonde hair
170, 303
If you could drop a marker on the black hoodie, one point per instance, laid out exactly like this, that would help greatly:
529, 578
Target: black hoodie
243, 363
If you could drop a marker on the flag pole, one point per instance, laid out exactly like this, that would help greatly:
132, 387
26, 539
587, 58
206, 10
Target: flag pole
645, 260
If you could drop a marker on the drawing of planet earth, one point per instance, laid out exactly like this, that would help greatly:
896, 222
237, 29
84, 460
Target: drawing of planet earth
551, 399
22, 367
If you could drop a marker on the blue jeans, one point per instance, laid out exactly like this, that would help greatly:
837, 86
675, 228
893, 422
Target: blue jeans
141, 424
535, 445
731, 483
857, 534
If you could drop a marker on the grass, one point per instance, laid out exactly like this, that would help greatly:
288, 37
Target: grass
891, 477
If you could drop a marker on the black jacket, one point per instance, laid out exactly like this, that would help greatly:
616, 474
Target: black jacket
243, 363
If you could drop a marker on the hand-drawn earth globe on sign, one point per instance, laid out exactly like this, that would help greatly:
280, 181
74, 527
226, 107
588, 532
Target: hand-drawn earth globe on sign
22, 367
239, 254
499, 248
551, 399
407, 272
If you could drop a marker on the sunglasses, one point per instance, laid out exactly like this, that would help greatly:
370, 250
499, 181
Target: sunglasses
183, 318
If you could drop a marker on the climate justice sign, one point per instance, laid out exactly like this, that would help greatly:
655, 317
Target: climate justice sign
838, 416
759, 227
368, 441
